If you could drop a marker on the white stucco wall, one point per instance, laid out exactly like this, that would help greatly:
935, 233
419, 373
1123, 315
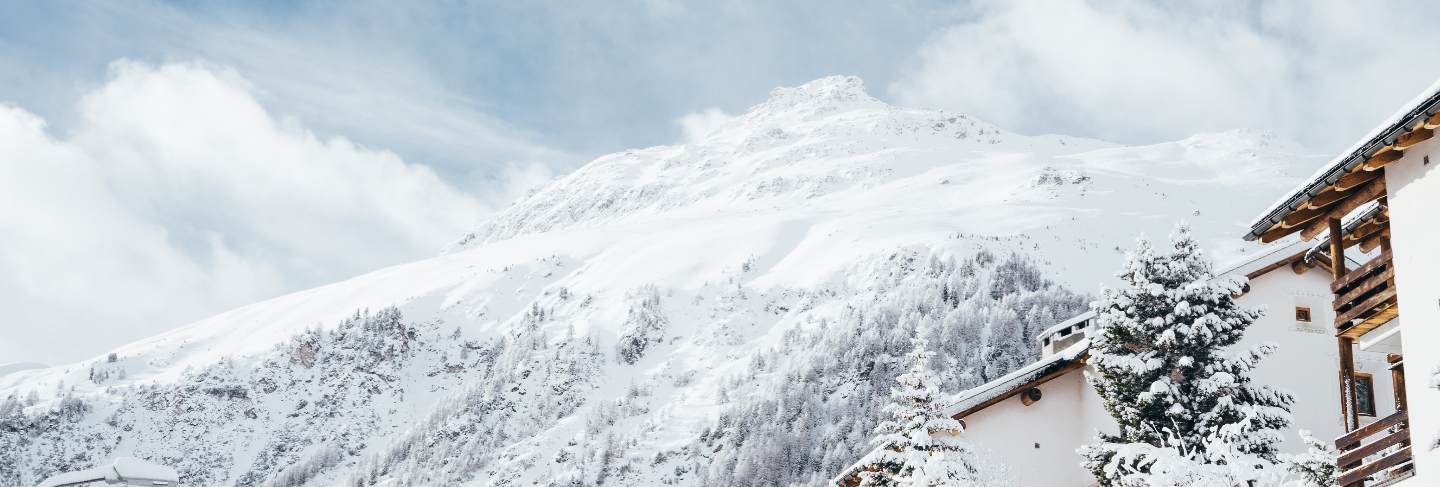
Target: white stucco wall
1058, 424
1307, 362
1414, 199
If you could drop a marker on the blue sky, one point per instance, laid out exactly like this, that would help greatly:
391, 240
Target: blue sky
168, 161
576, 78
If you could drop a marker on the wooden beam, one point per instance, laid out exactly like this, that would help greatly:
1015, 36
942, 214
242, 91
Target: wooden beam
1378, 161
1354, 179
1276, 233
1357, 476
1386, 313
1349, 418
1326, 198
1335, 193
1433, 122
1337, 248
1301, 216
1354, 437
1397, 380
1384, 259
1366, 286
1365, 194
1370, 185
1358, 455
1312, 230
1373, 241
1413, 137
1365, 231
1380, 301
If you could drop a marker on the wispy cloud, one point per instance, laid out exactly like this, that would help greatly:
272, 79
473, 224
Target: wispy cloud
1320, 73
175, 195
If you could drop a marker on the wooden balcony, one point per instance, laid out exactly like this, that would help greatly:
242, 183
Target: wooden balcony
1365, 297
1386, 445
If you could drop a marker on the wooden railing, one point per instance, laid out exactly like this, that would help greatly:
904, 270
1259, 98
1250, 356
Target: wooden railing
1386, 442
1365, 297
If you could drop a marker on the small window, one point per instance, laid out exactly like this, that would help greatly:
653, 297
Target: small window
1302, 314
1364, 394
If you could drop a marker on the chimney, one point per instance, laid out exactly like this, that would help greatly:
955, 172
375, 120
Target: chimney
1069, 332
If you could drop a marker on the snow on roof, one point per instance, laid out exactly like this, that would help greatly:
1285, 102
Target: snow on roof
1419, 108
1276, 252
125, 470
966, 402
1279, 251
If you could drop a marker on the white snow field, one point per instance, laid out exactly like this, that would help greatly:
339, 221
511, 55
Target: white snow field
725, 312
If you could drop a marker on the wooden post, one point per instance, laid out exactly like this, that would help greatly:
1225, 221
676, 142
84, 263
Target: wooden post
1397, 380
1349, 417
1337, 250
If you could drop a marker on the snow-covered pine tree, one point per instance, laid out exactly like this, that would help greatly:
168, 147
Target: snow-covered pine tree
1163, 373
911, 453
1317, 465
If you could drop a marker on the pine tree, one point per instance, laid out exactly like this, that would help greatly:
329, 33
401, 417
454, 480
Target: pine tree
911, 453
1161, 369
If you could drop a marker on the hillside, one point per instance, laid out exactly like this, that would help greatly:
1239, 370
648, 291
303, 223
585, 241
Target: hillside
726, 312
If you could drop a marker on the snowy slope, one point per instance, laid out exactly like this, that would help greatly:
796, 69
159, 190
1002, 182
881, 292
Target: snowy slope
620, 324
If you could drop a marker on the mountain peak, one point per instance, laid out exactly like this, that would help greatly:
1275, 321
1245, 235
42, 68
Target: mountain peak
824, 94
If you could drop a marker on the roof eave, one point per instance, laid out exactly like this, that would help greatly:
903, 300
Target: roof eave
1427, 108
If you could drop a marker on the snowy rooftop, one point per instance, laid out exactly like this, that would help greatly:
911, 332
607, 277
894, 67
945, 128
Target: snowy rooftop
1268, 255
973, 399
1418, 109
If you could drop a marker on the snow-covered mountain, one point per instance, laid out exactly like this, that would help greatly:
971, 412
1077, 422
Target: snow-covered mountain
725, 312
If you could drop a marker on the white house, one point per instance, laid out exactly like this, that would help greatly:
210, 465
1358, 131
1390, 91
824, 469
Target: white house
1378, 197
1035, 418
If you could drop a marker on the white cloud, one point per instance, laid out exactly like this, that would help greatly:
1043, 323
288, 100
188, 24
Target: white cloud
695, 126
178, 195
1133, 72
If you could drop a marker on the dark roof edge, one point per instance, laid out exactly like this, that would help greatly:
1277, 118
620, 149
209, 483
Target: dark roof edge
1342, 165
